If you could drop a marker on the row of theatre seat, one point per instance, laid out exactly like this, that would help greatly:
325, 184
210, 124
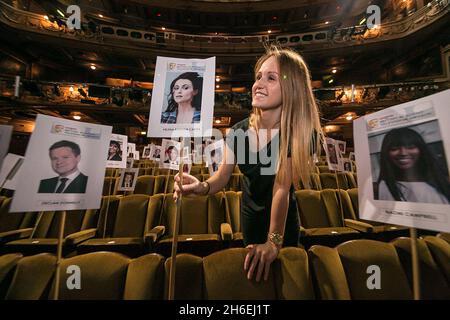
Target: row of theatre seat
138, 224
344, 272
151, 184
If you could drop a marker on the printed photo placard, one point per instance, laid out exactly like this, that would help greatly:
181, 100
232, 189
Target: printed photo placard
117, 156
214, 154
128, 178
333, 155
183, 97
155, 153
402, 157
170, 158
62, 169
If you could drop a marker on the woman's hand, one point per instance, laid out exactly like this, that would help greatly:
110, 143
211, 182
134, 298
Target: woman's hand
260, 256
191, 185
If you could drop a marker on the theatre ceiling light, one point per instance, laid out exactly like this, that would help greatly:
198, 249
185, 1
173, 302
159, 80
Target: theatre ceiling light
217, 121
269, 31
77, 117
163, 28
46, 18
93, 67
71, 89
143, 133
331, 81
217, 79
100, 15
334, 70
217, 87
327, 22
349, 118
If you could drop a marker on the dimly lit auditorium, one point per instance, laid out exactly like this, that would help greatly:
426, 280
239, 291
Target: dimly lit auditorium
224, 158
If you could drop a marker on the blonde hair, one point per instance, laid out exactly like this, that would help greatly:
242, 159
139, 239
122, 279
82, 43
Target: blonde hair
300, 123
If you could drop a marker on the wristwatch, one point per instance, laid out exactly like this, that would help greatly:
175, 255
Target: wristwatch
276, 238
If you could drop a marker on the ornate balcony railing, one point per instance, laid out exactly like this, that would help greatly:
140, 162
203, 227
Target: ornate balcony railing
141, 39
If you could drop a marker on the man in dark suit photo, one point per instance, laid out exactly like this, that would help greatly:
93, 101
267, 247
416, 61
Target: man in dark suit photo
64, 157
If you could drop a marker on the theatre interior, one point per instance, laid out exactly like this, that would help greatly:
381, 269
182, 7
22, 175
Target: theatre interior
102, 72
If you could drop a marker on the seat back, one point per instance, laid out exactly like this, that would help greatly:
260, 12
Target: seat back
189, 282
75, 221
220, 276
323, 168
145, 185
353, 194
347, 205
358, 255
131, 218
196, 170
234, 210
352, 182
8, 264
32, 278
103, 276
319, 209
199, 215
12, 221
145, 278
440, 250
110, 186
328, 181
106, 215
314, 183
433, 283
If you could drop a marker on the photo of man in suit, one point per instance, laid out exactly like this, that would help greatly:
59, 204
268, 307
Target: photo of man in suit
172, 155
128, 180
64, 157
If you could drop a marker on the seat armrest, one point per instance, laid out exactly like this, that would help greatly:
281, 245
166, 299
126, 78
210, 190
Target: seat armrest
226, 232
151, 237
358, 225
12, 235
302, 231
80, 236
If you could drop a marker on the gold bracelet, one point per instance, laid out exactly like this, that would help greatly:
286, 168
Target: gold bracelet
276, 238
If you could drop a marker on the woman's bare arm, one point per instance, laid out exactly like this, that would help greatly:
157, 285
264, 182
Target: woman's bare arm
261, 256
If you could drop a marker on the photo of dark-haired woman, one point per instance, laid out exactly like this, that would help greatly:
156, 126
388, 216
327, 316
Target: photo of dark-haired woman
184, 100
409, 171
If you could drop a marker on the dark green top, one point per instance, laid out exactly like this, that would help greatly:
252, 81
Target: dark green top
257, 190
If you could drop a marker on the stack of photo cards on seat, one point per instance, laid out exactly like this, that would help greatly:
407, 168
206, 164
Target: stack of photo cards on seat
128, 178
214, 155
10, 171
117, 157
63, 167
402, 155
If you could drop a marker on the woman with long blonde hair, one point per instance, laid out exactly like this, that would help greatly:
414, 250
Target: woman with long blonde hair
284, 111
